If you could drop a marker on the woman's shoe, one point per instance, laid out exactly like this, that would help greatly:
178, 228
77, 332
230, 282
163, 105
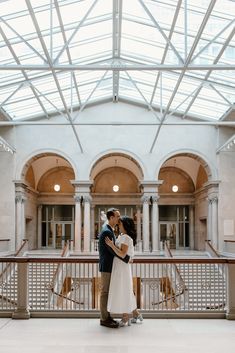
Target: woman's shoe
135, 319
123, 323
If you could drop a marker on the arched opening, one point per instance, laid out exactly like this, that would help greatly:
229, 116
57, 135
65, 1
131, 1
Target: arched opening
49, 201
182, 203
116, 183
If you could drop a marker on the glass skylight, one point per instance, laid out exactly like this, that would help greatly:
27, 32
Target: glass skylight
64, 54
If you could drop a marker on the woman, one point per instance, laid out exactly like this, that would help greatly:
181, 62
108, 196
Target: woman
121, 299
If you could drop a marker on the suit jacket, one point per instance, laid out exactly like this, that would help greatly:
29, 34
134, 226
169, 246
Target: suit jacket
106, 254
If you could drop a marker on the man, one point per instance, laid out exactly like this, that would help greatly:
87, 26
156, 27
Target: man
106, 255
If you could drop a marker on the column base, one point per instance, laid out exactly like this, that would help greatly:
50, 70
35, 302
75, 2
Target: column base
155, 252
230, 316
22, 314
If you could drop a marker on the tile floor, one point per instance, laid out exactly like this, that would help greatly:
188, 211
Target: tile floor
87, 336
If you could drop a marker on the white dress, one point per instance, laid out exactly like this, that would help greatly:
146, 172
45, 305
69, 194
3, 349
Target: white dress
121, 297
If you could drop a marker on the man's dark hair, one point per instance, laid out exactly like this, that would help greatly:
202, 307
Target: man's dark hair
111, 212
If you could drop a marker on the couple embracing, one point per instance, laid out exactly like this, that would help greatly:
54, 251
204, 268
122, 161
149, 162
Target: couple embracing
117, 294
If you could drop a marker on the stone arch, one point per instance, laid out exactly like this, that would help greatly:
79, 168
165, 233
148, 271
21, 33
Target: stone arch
117, 159
202, 160
24, 165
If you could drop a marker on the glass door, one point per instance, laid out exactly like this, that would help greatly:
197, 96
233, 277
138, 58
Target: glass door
62, 233
57, 225
169, 232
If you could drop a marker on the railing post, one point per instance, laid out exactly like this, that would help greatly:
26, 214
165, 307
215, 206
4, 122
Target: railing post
230, 314
22, 311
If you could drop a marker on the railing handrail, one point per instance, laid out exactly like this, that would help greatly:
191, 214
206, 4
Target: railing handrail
147, 282
168, 250
63, 255
73, 259
8, 300
165, 300
24, 241
64, 296
212, 248
65, 250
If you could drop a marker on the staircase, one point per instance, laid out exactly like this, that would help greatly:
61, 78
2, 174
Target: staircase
40, 276
206, 284
40, 283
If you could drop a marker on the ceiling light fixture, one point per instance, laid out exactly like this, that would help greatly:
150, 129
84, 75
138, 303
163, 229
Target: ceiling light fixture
115, 188
175, 188
57, 187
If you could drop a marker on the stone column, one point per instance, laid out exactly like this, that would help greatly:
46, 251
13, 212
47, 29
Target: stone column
155, 224
87, 223
82, 190
39, 226
145, 199
191, 227
230, 314
209, 220
78, 223
20, 218
214, 223
92, 227
22, 311
138, 224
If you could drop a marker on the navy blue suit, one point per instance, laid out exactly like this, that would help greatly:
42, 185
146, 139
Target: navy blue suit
106, 254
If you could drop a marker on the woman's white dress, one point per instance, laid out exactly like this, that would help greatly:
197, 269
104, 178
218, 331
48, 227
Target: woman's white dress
121, 297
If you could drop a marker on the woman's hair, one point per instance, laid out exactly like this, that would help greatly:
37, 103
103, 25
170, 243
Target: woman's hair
129, 227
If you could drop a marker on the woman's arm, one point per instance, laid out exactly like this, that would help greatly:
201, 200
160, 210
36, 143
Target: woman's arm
120, 252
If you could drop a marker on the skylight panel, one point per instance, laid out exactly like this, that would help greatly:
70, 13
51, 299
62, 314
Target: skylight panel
146, 38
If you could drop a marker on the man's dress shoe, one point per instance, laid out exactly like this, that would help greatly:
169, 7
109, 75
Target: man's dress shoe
109, 323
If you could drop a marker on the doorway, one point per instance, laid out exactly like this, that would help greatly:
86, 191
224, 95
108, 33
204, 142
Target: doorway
61, 232
57, 226
169, 232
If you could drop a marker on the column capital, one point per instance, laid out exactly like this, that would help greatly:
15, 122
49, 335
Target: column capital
77, 198
212, 198
155, 198
87, 199
20, 197
145, 199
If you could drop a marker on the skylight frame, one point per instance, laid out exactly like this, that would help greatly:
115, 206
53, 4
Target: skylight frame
144, 91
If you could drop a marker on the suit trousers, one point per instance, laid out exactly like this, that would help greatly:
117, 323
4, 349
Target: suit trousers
104, 293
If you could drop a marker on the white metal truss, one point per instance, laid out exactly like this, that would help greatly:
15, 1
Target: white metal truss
188, 60
210, 71
6, 146
107, 74
117, 24
34, 19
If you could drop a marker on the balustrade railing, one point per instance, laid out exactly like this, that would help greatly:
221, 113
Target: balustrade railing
162, 286
210, 249
95, 246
